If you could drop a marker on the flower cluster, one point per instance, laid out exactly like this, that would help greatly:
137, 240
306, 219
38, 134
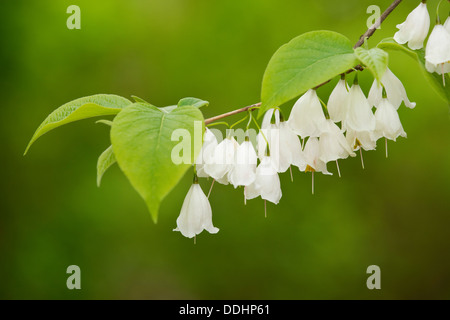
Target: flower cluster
315, 133
414, 32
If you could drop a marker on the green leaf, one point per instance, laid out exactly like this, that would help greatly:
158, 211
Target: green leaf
376, 60
419, 55
141, 136
193, 102
83, 108
107, 122
302, 64
106, 160
140, 100
168, 109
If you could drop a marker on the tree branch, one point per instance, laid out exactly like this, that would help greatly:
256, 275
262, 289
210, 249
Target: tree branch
378, 23
213, 119
360, 42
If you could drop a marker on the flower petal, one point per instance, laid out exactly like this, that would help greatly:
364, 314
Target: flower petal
307, 118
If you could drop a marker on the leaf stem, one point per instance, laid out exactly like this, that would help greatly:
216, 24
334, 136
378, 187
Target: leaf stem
250, 114
262, 133
324, 108
218, 123
236, 123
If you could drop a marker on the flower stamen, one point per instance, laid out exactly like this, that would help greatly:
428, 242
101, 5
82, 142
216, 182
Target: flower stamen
386, 146
362, 159
245, 196
339, 171
210, 189
265, 208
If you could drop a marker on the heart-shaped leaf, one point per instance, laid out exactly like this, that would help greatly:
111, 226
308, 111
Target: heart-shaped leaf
140, 100
142, 136
376, 60
82, 108
302, 64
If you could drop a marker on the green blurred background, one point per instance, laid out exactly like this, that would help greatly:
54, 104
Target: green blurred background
395, 213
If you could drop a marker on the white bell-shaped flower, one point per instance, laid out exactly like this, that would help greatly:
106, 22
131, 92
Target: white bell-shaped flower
415, 28
437, 52
447, 24
223, 180
439, 69
396, 92
333, 145
269, 132
206, 153
196, 214
360, 116
284, 145
337, 103
272, 116
375, 94
442, 68
268, 137
307, 118
361, 139
243, 172
388, 122
446, 67
312, 157
262, 138
267, 182
290, 149
222, 161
